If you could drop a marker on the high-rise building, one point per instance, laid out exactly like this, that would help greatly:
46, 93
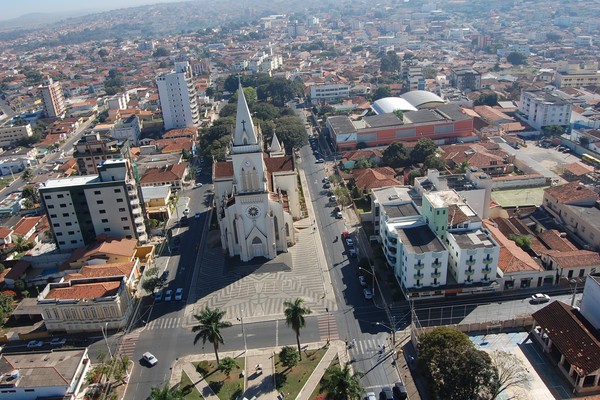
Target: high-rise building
541, 108
54, 99
178, 97
92, 149
83, 207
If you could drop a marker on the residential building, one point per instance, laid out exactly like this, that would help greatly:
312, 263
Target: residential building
542, 108
129, 129
173, 175
444, 124
130, 270
84, 207
465, 79
54, 374
575, 207
178, 97
86, 304
91, 150
329, 93
577, 74
257, 196
103, 251
53, 98
10, 135
156, 201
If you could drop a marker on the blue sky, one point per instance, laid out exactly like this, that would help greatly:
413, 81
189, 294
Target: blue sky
13, 9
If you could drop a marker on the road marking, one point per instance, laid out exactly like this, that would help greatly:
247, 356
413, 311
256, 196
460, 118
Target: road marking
276, 333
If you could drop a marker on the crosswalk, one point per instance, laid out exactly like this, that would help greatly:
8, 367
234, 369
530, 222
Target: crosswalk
369, 346
164, 323
128, 342
327, 327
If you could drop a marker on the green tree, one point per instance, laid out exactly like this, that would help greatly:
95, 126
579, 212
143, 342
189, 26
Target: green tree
433, 161
103, 53
29, 193
289, 356
390, 62
399, 114
341, 384
151, 280
423, 149
166, 393
554, 130
27, 204
516, 58
362, 163
20, 243
266, 111
19, 285
486, 99
294, 318
209, 328
227, 365
161, 52
462, 167
382, 92
2, 268
291, 131
27, 174
523, 241
343, 195
228, 110
395, 155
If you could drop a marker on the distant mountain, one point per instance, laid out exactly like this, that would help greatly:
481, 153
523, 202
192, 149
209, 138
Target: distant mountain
39, 19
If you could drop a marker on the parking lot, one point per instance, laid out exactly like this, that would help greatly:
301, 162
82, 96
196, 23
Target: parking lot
550, 157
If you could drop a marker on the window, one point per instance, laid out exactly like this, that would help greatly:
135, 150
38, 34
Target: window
123, 218
71, 233
102, 211
56, 225
65, 214
96, 192
104, 221
47, 197
68, 223
52, 215
61, 242
121, 210
106, 229
99, 201
117, 190
50, 206
119, 200
125, 228
62, 205
73, 241
60, 196
59, 233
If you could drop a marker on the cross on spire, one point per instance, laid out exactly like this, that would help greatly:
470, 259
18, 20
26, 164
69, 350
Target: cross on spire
243, 122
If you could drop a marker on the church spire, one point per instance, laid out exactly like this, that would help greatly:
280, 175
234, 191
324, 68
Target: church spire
275, 145
244, 127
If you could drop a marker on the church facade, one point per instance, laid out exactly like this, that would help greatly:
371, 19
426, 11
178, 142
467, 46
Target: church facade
256, 192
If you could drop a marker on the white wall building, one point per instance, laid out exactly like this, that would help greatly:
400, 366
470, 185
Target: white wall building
178, 97
81, 208
11, 134
128, 129
542, 109
332, 93
53, 98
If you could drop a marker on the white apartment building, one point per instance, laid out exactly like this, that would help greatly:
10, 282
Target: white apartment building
541, 108
11, 134
129, 129
577, 74
178, 97
473, 254
53, 98
329, 93
81, 208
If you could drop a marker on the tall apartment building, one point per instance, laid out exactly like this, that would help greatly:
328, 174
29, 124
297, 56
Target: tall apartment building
543, 108
577, 74
11, 134
83, 207
178, 97
92, 150
465, 79
53, 98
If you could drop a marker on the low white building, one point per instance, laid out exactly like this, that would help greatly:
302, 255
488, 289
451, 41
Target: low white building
127, 129
332, 93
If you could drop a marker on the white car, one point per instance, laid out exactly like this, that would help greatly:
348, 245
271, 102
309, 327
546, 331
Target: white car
186, 211
150, 359
320, 161
179, 294
367, 293
168, 295
34, 343
362, 280
349, 242
197, 185
540, 298
371, 396
58, 341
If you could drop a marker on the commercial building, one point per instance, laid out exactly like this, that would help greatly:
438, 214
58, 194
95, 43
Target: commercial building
465, 79
53, 98
83, 207
10, 135
541, 108
92, 150
55, 374
444, 124
178, 97
129, 129
329, 93
577, 75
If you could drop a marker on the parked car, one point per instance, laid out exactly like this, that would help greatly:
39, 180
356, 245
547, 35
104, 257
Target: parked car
168, 295
370, 396
362, 280
164, 276
353, 252
149, 359
320, 161
367, 293
179, 294
349, 242
400, 392
386, 393
540, 298
186, 211
158, 296
58, 341
326, 185
339, 215
197, 185
34, 344
197, 215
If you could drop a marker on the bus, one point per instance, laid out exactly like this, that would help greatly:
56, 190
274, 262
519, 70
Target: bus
591, 159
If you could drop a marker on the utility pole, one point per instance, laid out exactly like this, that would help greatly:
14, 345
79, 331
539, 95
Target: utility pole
241, 319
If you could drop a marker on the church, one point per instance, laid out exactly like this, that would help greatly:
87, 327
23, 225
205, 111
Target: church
256, 192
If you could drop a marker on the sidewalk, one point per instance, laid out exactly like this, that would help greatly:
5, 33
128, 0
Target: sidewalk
336, 348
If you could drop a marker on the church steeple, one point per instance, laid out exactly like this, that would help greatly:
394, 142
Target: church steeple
244, 134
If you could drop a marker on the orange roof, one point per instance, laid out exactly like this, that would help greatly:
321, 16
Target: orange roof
166, 174
512, 257
371, 178
571, 192
578, 169
553, 241
121, 247
85, 290
25, 225
101, 270
575, 258
223, 169
5, 232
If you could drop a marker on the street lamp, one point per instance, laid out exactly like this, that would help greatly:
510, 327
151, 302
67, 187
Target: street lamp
241, 319
576, 282
104, 330
328, 330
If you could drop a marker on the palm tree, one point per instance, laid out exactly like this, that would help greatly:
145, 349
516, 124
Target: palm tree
294, 317
340, 384
166, 393
210, 328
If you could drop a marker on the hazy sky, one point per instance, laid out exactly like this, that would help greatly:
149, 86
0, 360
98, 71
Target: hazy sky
13, 8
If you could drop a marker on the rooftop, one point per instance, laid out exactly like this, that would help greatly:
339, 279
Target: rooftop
570, 192
472, 240
401, 211
392, 194
420, 240
71, 181
83, 289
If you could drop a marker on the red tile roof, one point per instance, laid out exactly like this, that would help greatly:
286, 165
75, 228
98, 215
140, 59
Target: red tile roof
5, 232
372, 178
169, 173
119, 247
359, 154
578, 169
571, 336
101, 270
223, 169
553, 241
512, 257
575, 258
279, 164
85, 291
569, 193
25, 225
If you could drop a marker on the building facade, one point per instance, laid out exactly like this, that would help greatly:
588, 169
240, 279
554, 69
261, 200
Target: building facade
577, 75
92, 150
542, 109
329, 93
10, 135
178, 97
465, 79
81, 208
53, 98
129, 129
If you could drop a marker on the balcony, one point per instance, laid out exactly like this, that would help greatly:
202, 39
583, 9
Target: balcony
436, 264
435, 284
470, 262
418, 276
436, 275
419, 267
392, 250
485, 280
486, 270
469, 272
488, 260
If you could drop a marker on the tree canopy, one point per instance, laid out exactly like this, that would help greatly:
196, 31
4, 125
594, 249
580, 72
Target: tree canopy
382, 92
486, 99
390, 62
423, 149
516, 58
395, 155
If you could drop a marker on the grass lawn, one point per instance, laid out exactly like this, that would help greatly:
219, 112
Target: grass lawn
362, 205
291, 381
191, 393
316, 394
226, 388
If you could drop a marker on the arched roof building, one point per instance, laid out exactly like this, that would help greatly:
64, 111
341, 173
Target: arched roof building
423, 99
